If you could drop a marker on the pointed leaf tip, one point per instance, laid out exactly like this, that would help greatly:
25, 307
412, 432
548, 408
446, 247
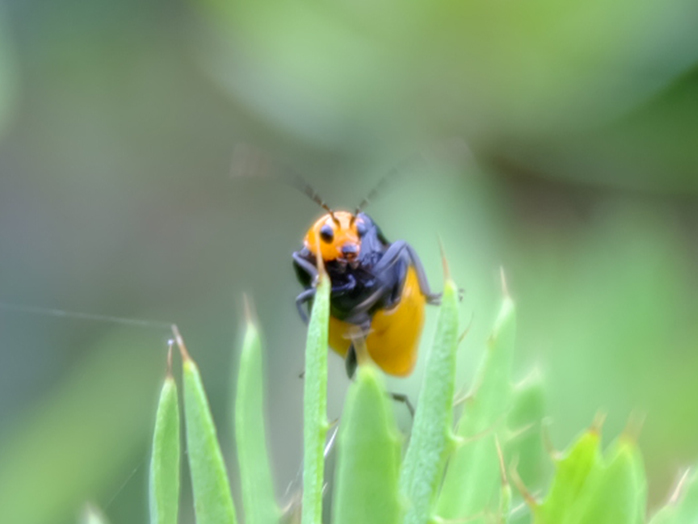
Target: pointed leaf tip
92, 515
633, 428
503, 280
444, 260
597, 424
246, 308
170, 344
250, 312
180, 343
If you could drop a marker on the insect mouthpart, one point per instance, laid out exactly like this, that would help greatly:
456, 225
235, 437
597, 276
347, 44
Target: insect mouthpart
350, 251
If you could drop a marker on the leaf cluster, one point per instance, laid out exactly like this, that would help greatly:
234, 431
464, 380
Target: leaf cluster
458, 464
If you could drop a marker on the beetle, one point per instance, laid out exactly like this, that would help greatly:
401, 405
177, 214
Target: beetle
379, 288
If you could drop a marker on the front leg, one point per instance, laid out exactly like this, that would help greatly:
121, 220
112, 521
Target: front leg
307, 266
391, 257
304, 268
301, 299
309, 294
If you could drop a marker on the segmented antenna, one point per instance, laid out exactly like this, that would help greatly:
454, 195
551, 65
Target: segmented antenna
303, 186
389, 177
439, 152
249, 161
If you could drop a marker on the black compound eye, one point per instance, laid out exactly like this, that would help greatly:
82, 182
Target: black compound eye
361, 228
326, 233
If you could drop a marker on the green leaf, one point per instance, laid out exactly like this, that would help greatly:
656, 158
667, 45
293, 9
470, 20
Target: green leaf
472, 482
164, 463
504, 504
213, 502
525, 442
431, 431
366, 488
683, 506
619, 495
574, 473
315, 404
255, 473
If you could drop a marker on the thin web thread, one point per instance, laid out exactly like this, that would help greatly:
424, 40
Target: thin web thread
64, 313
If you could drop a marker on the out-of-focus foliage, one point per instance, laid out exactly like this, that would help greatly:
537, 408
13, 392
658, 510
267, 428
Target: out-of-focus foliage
537, 81
682, 507
54, 459
8, 74
92, 515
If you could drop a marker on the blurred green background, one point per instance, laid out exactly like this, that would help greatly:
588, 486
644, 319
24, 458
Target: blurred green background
578, 125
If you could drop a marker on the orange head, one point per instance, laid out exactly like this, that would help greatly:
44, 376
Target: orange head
338, 235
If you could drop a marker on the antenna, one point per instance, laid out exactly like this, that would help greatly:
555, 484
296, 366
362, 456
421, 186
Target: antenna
389, 177
249, 161
439, 152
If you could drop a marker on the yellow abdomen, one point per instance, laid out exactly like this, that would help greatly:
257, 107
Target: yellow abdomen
393, 339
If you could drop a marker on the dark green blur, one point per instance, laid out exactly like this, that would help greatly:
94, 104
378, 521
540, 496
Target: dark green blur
571, 161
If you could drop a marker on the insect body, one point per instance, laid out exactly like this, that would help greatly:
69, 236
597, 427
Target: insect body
379, 289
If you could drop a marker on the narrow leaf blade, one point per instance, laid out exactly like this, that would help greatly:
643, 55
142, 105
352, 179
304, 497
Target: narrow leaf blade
575, 473
250, 434
213, 502
366, 488
431, 431
525, 443
164, 463
315, 404
619, 495
472, 482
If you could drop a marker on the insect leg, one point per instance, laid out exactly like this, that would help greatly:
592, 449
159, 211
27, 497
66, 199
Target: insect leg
360, 311
393, 254
401, 397
432, 298
301, 299
305, 265
350, 362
